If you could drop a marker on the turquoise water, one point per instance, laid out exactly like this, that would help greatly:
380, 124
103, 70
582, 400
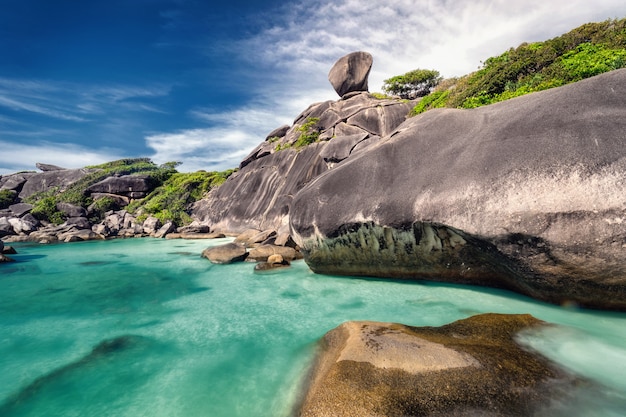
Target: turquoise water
145, 327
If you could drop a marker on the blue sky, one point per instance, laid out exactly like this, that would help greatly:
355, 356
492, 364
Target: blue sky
88, 81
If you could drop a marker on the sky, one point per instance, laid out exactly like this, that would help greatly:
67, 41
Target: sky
84, 82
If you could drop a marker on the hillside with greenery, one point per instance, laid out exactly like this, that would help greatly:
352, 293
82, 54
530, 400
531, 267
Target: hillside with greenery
173, 191
588, 50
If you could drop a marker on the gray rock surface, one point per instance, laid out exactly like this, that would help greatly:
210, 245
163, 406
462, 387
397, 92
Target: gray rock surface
20, 209
132, 186
350, 73
15, 181
168, 227
44, 181
527, 194
471, 367
71, 210
260, 193
48, 167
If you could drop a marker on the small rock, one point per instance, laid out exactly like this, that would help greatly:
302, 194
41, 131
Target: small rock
168, 227
263, 252
5, 259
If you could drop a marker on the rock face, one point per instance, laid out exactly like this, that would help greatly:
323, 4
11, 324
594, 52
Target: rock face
471, 367
131, 186
43, 181
260, 193
527, 194
350, 73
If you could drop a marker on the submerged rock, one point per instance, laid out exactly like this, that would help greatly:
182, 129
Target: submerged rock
471, 367
526, 194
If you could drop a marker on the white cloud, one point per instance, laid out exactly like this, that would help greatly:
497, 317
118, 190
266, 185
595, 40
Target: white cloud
231, 136
450, 36
17, 157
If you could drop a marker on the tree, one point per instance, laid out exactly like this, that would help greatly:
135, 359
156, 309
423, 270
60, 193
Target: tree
413, 84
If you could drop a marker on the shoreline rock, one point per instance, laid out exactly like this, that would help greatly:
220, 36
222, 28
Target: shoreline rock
513, 195
466, 368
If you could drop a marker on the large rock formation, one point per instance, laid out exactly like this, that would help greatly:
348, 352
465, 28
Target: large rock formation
260, 193
471, 367
526, 194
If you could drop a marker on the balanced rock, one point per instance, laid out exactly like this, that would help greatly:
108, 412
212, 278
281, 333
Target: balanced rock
526, 194
48, 167
350, 73
471, 367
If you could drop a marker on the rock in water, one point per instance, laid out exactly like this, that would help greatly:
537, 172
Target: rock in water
350, 73
471, 367
225, 254
526, 194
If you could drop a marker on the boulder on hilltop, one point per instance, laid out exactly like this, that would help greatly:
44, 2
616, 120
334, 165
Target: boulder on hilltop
526, 194
350, 73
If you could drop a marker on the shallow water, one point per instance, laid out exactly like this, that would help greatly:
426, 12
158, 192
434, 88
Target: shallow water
183, 337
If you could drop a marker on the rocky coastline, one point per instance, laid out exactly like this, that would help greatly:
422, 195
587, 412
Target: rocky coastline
526, 195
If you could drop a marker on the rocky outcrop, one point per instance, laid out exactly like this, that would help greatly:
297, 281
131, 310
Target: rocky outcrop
525, 194
350, 73
471, 367
44, 181
131, 186
48, 167
15, 182
260, 193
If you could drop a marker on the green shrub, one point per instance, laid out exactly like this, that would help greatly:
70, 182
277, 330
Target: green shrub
101, 206
308, 133
7, 198
172, 199
46, 209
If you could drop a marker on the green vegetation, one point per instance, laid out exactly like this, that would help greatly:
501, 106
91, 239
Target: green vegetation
46, 209
172, 199
381, 96
309, 133
588, 50
413, 84
7, 198
45, 203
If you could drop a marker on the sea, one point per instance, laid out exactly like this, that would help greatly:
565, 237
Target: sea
147, 327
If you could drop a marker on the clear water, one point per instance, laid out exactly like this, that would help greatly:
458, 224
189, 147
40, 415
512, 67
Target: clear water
218, 340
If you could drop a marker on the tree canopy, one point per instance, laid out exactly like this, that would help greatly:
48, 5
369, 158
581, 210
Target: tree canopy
413, 84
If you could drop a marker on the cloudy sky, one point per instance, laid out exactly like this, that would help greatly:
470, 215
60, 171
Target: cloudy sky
201, 82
